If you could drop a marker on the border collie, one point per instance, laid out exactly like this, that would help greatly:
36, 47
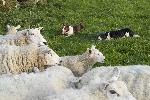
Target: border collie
125, 32
69, 30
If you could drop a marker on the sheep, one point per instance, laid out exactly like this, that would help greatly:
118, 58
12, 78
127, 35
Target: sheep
17, 59
82, 63
136, 77
35, 86
12, 29
112, 89
24, 37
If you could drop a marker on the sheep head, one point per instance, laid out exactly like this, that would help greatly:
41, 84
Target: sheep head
95, 54
12, 29
115, 89
34, 36
49, 57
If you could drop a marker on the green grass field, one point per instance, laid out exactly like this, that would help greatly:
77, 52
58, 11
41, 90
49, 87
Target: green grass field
98, 16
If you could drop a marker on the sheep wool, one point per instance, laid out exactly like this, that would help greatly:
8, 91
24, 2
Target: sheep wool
35, 86
17, 59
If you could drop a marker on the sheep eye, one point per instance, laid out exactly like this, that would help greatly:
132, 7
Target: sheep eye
112, 92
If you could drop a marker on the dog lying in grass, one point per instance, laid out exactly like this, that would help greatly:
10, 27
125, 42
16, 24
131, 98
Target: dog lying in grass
69, 30
125, 32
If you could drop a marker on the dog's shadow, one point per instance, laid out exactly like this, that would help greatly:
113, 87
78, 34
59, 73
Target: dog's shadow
88, 37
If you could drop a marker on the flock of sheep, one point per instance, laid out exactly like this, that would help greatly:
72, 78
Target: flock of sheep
30, 70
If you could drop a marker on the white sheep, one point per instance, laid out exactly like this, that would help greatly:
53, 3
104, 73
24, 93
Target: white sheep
102, 90
136, 77
35, 86
80, 64
17, 59
12, 29
24, 37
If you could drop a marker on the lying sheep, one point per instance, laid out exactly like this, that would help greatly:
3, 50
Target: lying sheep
102, 90
17, 59
35, 86
136, 77
82, 63
24, 37
12, 29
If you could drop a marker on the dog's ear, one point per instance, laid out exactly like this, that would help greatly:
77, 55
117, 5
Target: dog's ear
82, 25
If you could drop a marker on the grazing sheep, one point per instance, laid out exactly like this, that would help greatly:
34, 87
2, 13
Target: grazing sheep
136, 77
12, 29
17, 59
82, 63
24, 37
102, 90
35, 86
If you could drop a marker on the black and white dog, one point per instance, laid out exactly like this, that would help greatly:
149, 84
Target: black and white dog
125, 32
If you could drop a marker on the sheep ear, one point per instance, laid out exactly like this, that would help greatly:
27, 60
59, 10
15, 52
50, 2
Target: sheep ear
104, 86
115, 74
8, 26
40, 28
93, 47
17, 27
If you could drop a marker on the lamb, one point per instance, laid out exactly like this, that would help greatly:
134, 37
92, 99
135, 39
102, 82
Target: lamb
24, 37
136, 77
112, 89
17, 59
35, 86
82, 63
12, 29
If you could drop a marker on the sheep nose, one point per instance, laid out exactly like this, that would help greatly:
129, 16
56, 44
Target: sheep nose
45, 43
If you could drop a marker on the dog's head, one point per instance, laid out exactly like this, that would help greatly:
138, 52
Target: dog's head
65, 28
103, 36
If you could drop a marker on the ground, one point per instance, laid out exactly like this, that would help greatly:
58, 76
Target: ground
98, 16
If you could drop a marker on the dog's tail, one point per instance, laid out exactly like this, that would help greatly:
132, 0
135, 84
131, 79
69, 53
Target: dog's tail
136, 36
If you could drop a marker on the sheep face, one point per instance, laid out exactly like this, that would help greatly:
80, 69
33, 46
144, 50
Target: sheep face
36, 37
96, 55
12, 29
49, 57
116, 90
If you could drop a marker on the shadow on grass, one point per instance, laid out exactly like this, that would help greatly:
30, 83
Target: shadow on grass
88, 37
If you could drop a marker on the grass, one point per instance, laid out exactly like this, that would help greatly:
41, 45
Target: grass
98, 16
